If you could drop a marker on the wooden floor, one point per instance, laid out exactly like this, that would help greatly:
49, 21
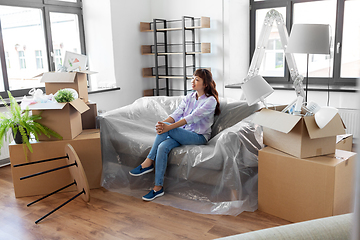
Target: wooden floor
114, 216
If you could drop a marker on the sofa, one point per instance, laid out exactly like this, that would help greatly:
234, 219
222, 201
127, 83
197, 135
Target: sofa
329, 228
219, 177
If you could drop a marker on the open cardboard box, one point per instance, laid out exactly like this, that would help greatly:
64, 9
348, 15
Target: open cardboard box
88, 118
297, 135
344, 142
63, 118
55, 81
302, 189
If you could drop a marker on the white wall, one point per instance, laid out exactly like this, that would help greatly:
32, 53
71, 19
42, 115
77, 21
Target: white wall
236, 25
99, 42
112, 32
113, 43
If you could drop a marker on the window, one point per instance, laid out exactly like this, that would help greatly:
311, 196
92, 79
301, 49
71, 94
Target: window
350, 55
35, 36
65, 35
39, 60
16, 24
22, 61
273, 61
341, 67
320, 65
58, 59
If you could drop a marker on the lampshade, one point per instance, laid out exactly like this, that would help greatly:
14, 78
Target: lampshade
256, 89
309, 38
324, 116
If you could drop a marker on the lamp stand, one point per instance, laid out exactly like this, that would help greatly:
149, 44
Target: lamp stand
307, 77
263, 102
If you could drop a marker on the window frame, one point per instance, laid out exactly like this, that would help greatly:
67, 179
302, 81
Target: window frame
46, 6
335, 80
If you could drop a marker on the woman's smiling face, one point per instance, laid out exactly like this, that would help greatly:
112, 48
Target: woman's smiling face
197, 83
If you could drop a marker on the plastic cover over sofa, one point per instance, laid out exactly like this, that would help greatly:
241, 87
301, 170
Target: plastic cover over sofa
217, 178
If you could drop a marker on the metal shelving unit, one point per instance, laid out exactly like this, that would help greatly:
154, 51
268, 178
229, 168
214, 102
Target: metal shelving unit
161, 26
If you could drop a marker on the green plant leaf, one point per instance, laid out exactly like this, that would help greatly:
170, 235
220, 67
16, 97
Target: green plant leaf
21, 121
24, 137
64, 95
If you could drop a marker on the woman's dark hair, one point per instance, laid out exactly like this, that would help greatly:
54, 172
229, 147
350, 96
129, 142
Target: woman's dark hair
210, 86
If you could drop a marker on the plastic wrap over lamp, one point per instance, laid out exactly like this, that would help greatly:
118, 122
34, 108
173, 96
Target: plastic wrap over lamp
256, 89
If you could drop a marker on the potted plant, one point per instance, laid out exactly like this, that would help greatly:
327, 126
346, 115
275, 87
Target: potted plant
64, 95
22, 124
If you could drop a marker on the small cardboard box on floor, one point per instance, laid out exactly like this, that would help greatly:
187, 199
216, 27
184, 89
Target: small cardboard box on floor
297, 135
63, 118
55, 81
87, 147
302, 189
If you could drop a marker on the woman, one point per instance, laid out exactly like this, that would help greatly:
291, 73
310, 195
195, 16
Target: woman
189, 124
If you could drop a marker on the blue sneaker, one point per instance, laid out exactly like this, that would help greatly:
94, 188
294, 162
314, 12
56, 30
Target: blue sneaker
138, 171
153, 194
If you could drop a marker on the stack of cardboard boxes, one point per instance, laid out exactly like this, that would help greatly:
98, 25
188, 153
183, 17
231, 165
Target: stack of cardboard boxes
302, 175
76, 123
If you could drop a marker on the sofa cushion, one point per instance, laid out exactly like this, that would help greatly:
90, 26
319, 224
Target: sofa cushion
232, 112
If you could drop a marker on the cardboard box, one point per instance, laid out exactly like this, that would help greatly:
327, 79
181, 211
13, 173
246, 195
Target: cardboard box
63, 118
297, 135
55, 81
344, 142
88, 148
88, 118
302, 189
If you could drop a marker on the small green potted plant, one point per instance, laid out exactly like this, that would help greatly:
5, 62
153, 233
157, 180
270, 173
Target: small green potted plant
64, 95
22, 124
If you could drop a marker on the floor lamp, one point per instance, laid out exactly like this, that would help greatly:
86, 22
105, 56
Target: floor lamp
309, 39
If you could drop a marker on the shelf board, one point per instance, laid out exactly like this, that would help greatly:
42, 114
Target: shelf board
152, 92
167, 29
175, 53
147, 73
205, 48
175, 77
145, 49
172, 29
146, 26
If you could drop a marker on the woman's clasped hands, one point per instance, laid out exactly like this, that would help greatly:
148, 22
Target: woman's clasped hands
161, 127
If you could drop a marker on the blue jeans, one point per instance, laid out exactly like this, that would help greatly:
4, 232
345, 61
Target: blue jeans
167, 141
